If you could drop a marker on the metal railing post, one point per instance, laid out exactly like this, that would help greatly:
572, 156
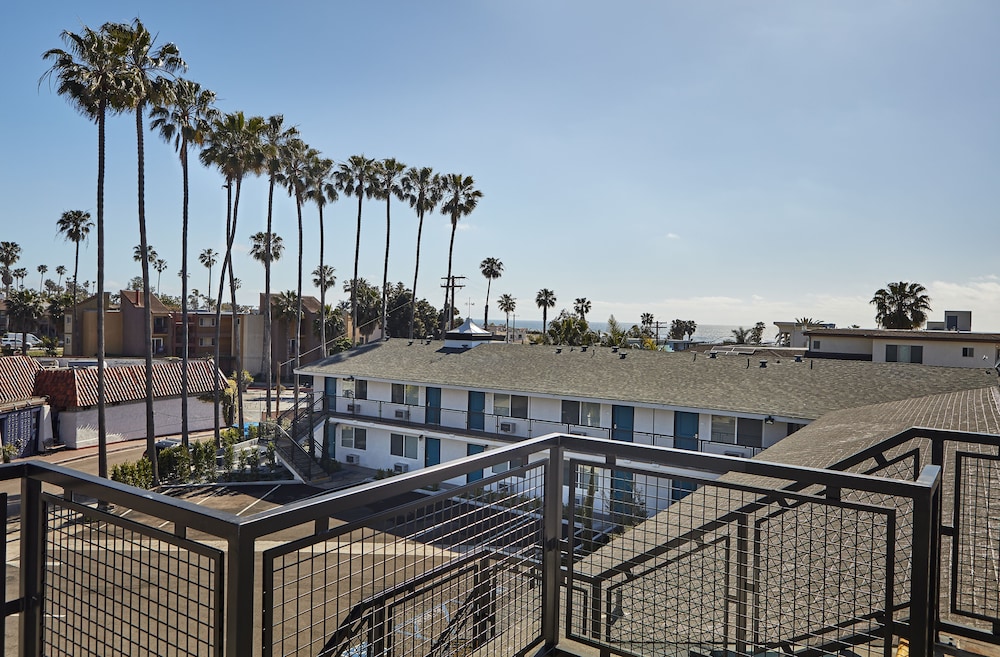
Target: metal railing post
926, 561
742, 582
551, 539
32, 566
240, 580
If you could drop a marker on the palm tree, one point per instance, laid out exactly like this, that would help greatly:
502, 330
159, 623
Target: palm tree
88, 76
160, 265
388, 184
274, 138
327, 279
901, 305
151, 254
287, 310
545, 299
10, 252
322, 190
299, 161
423, 191
208, 258
507, 305
258, 247
144, 75
460, 199
41, 276
61, 271
233, 146
20, 274
25, 308
75, 226
356, 177
184, 120
581, 307
492, 269
741, 335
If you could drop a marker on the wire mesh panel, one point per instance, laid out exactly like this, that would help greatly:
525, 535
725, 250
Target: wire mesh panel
115, 587
451, 574
975, 591
725, 567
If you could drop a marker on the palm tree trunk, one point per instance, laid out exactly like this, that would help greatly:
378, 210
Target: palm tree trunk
267, 293
416, 269
102, 425
298, 320
322, 287
446, 323
185, 355
147, 323
486, 307
385, 268
77, 347
354, 281
237, 333
218, 312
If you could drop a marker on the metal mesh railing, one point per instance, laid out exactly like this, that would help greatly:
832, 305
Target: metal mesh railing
452, 574
114, 587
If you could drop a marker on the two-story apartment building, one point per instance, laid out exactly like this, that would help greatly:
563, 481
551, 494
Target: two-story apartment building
941, 348
401, 404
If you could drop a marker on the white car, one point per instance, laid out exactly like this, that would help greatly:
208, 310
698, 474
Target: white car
14, 340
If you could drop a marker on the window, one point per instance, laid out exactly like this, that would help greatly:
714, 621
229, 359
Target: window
206, 342
206, 321
903, 353
405, 394
405, 446
724, 429
749, 433
967, 352
510, 405
159, 325
816, 345
361, 389
585, 414
354, 438
157, 345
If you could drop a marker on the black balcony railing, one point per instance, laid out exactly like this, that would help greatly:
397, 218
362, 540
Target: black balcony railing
738, 556
508, 428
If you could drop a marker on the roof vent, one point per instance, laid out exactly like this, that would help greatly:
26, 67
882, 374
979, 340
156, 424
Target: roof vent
583, 348
558, 350
712, 355
410, 343
763, 364
622, 355
798, 358
614, 350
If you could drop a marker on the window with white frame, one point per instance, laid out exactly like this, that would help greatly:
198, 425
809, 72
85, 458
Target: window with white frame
903, 353
405, 394
968, 352
405, 446
206, 342
206, 321
354, 438
506, 405
157, 345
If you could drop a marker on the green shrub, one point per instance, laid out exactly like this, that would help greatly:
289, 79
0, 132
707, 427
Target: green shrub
175, 464
134, 473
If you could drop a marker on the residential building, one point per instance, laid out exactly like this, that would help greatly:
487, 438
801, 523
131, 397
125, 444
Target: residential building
25, 417
941, 348
133, 317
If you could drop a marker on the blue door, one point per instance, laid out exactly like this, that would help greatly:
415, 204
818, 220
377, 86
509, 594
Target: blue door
330, 438
432, 451
330, 388
686, 430
433, 415
475, 475
477, 411
622, 423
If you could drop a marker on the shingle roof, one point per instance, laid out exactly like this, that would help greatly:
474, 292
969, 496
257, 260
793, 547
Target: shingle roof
17, 377
805, 390
954, 336
77, 388
135, 298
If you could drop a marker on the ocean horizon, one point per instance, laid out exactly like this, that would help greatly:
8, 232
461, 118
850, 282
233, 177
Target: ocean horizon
705, 333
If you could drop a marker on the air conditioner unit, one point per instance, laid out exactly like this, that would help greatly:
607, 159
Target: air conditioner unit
400, 468
578, 432
402, 414
507, 427
353, 459
353, 408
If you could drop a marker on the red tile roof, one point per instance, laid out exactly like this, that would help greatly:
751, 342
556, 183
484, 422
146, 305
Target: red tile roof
77, 388
17, 377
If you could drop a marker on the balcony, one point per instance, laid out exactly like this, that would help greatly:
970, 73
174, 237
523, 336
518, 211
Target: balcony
581, 545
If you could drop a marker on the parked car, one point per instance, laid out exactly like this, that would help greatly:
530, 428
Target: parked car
14, 340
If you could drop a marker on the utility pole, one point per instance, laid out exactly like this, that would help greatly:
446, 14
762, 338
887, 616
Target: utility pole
449, 296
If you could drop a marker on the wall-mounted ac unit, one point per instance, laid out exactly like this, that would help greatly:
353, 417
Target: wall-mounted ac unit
402, 414
354, 408
353, 459
400, 468
507, 427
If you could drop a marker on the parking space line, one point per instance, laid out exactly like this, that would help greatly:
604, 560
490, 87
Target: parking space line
249, 506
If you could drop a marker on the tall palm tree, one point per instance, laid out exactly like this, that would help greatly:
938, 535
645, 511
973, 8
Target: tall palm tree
324, 276
507, 305
299, 161
41, 276
460, 199
20, 274
492, 269
75, 226
902, 305
160, 265
61, 271
422, 188
355, 177
151, 254
208, 258
259, 243
145, 71
274, 138
545, 299
388, 178
322, 190
185, 121
88, 75
10, 252
234, 146
581, 307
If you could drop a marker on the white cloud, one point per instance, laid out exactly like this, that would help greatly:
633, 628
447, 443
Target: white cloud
673, 236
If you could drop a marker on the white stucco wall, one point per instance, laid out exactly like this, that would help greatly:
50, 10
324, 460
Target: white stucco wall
944, 353
128, 421
841, 344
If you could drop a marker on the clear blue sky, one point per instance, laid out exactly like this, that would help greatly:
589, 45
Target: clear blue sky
726, 162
